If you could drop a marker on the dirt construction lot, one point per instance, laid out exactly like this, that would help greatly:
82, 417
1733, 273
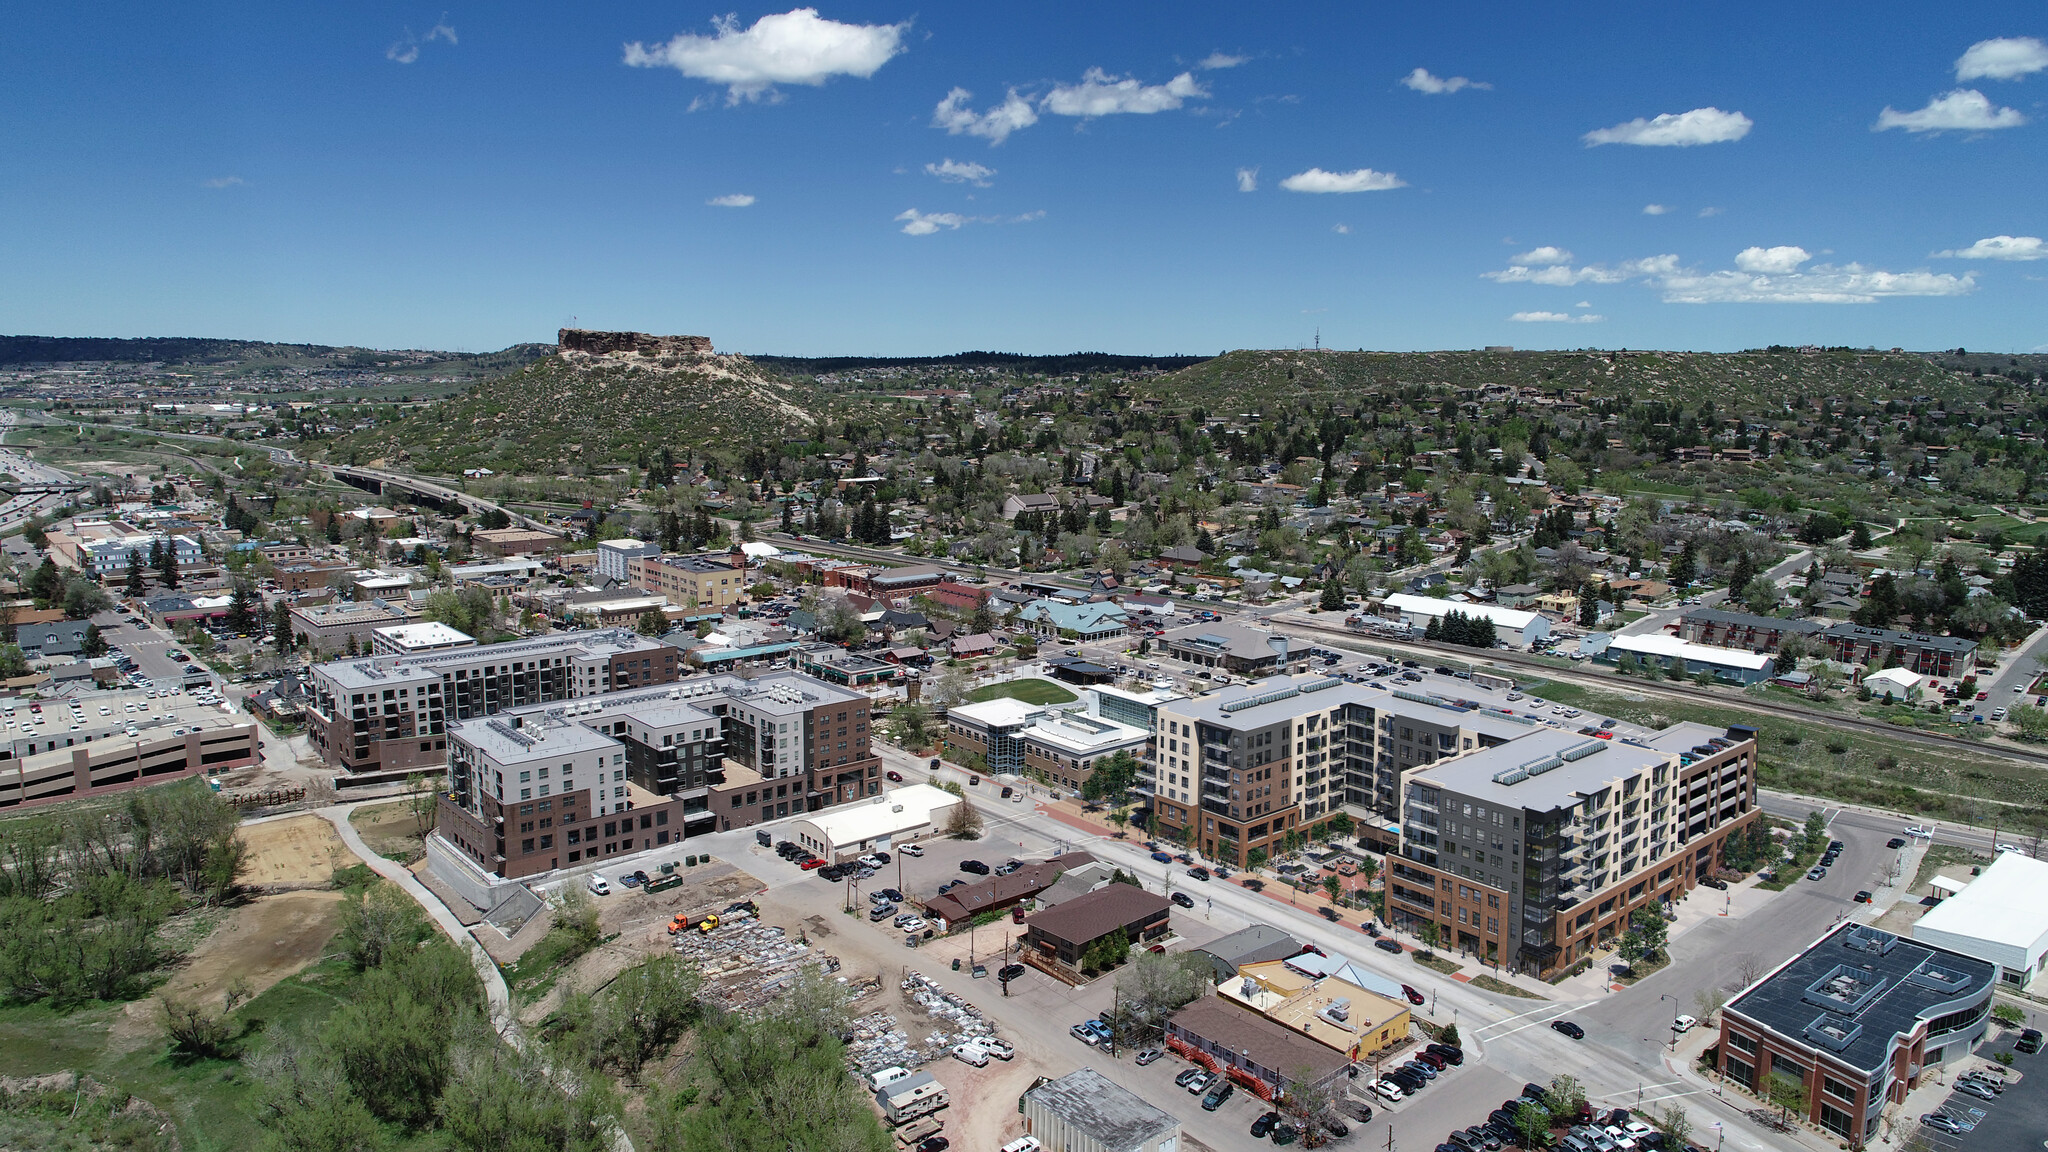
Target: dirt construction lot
392, 830
298, 850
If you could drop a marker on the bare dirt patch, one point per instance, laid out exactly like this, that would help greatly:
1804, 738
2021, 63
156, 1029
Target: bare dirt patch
391, 830
258, 944
301, 850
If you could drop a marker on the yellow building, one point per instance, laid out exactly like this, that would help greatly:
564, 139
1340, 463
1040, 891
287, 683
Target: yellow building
1312, 995
708, 580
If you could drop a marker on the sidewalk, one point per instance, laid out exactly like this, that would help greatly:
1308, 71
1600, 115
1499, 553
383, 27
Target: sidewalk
499, 997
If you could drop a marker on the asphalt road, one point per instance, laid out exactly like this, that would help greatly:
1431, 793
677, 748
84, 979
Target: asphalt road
148, 646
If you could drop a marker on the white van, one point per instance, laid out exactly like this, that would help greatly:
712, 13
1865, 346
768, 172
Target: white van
973, 1054
1023, 1144
599, 886
882, 1076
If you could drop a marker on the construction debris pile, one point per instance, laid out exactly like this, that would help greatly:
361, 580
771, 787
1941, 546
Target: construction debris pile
748, 964
878, 1043
955, 1022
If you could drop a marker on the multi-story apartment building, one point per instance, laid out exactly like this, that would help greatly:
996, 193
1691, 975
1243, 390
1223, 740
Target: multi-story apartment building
1751, 633
1947, 656
1856, 1021
705, 580
1537, 851
539, 788
615, 557
386, 713
1220, 762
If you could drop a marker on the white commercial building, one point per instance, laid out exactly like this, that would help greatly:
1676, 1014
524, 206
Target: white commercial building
615, 557
1512, 626
912, 812
2001, 917
1664, 651
426, 636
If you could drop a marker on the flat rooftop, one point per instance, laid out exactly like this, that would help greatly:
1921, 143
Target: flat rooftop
1857, 988
1545, 770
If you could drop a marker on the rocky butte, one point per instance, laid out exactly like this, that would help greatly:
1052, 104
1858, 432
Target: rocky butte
624, 343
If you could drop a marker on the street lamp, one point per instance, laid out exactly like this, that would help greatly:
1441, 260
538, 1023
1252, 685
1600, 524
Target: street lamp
1674, 1020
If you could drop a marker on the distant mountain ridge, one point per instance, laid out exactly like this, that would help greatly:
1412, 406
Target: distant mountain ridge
16, 351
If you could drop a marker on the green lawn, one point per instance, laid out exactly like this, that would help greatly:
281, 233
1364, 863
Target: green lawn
1029, 691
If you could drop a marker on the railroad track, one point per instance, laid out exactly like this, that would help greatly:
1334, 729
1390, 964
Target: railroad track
1776, 708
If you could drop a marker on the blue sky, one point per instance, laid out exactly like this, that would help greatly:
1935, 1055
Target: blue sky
1164, 177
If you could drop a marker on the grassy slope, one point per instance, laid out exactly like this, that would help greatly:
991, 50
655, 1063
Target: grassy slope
1864, 769
1029, 691
554, 414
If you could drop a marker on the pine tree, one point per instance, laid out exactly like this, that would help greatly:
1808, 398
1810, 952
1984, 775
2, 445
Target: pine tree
135, 586
167, 563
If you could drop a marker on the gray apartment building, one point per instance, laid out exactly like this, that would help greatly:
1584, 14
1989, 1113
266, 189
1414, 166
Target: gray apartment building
1535, 852
1236, 769
391, 713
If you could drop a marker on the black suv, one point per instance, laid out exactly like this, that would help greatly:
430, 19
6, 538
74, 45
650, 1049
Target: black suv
974, 866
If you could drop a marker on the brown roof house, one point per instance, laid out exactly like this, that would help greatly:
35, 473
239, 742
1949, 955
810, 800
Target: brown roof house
1058, 937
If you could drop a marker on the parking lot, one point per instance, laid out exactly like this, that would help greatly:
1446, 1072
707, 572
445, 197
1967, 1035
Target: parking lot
2015, 1118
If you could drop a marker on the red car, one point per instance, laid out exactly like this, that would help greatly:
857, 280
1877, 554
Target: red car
894, 777
1983, 695
1414, 997
812, 863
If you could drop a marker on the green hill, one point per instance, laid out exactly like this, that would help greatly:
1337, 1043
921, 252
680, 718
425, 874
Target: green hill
1243, 380
578, 409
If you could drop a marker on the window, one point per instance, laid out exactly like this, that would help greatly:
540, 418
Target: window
1834, 1087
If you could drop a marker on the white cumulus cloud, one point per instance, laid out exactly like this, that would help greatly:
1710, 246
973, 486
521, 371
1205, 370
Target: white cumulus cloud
1101, 94
1216, 60
1656, 209
1555, 318
1247, 179
2001, 248
1775, 261
2006, 58
994, 125
1422, 81
1564, 275
925, 223
1821, 284
960, 172
1761, 276
1675, 129
735, 200
1545, 255
1963, 110
1341, 229
1359, 180
795, 47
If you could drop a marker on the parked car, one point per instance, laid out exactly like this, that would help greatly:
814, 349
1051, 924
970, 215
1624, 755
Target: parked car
1264, 1124
1896, 842
1202, 1082
974, 866
912, 849
1182, 899
2029, 1041
973, 1054
1568, 1028
1816, 872
1187, 1077
1683, 1024
1214, 1098
1942, 1122
1863, 897
1973, 1088
1330, 914
599, 886
934, 1144
1452, 1056
1148, 1055
1387, 944
1199, 873
1010, 972
1162, 857
1083, 1033
1387, 1090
